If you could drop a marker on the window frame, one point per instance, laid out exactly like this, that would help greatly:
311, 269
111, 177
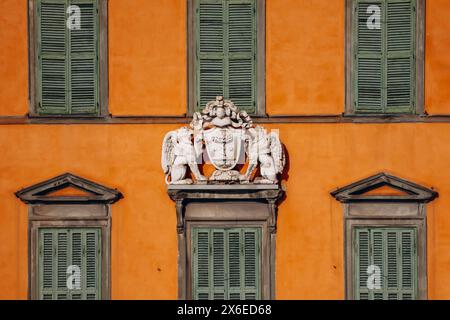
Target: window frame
92, 210
97, 220
260, 58
419, 66
103, 83
419, 223
404, 210
222, 206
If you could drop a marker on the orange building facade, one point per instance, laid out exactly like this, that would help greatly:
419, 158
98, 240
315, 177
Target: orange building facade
305, 99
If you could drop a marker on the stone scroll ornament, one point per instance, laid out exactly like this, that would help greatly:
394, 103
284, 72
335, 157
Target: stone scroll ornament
225, 137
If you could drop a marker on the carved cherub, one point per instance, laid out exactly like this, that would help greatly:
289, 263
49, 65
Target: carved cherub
220, 113
177, 153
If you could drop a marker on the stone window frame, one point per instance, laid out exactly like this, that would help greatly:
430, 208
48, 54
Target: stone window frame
103, 82
420, 62
205, 201
408, 210
46, 211
260, 61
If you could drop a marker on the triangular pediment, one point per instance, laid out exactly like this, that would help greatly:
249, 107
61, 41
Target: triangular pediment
68, 188
384, 187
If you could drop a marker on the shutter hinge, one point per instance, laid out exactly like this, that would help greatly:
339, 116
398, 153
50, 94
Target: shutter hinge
54, 251
84, 251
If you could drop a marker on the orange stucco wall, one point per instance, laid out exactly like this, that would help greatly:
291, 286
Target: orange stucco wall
305, 75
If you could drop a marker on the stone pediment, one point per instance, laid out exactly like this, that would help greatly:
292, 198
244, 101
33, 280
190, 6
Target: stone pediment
402, 190
68, 188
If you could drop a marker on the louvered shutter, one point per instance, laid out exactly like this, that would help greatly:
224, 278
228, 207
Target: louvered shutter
394, 252
384, 58
201, 264
251, 264
52, 57
368, 60
84, 60
400, 56
226, 52
67, 59
226, 264
61, 248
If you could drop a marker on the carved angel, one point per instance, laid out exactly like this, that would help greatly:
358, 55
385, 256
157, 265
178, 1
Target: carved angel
177, 154
267, 150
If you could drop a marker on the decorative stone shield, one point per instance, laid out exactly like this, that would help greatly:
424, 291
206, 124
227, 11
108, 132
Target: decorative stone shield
224, 147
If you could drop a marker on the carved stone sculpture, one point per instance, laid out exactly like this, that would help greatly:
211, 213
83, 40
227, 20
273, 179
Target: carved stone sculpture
224, 136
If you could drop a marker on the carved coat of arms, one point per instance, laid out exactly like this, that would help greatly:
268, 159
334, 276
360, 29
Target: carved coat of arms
225, 137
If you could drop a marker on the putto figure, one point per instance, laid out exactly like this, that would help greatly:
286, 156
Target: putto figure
225, 137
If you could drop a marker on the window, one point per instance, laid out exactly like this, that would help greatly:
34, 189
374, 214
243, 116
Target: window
61, 248
68, 54
394, 252
226, 263
385, 238
227, 53
69, 243
385, 56
226, 241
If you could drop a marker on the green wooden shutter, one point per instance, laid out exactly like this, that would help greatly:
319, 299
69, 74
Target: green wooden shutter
60, 248
52, 57
400, 58
226, 52
226, 264
384, 58
394, 251
67, 65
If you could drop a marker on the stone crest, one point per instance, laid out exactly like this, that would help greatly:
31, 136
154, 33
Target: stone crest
224, 136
